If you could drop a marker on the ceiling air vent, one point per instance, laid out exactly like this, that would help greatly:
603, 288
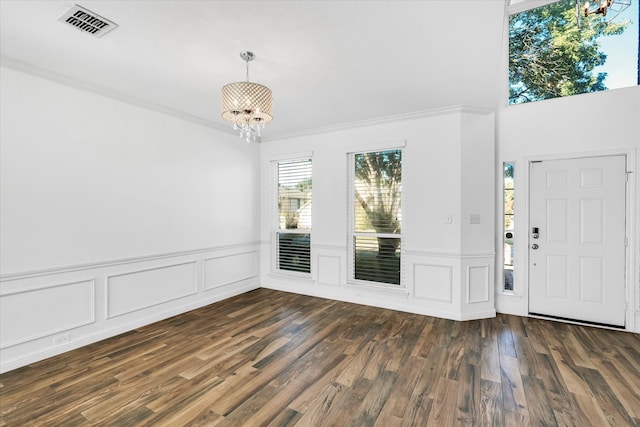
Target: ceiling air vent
87, 21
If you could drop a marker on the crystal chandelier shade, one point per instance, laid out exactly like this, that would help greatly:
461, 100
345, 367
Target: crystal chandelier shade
248, 106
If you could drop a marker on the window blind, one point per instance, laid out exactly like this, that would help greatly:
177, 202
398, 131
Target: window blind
293, 228
377, 216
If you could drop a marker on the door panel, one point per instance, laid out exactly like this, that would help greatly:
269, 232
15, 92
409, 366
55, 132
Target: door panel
577, 260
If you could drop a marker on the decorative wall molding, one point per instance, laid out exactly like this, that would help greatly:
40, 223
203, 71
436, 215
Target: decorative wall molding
456, 109
122, 261
478, 283
439, 286
236, 274
41, 354
105, 299
329, 268
41, 286
457, 255
149, 285
47, 313
20, 66
109, 93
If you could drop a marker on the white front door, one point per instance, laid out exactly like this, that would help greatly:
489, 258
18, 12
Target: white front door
577, 239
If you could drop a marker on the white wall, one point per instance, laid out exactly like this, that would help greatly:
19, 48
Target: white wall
448, 157
113, 216
583, 125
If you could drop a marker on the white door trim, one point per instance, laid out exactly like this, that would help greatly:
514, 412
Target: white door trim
632, 269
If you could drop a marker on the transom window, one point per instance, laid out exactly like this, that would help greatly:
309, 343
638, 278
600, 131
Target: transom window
555, 50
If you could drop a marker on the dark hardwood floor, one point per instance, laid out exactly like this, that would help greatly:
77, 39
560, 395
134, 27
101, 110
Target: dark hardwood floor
280, 359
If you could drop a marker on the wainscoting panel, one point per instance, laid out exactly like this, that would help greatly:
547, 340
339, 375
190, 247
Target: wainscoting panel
227, 269
329, 270
47, 312
433, 282
477, 284
37, 312
137, 290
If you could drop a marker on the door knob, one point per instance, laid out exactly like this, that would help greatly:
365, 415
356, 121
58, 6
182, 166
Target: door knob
534, 246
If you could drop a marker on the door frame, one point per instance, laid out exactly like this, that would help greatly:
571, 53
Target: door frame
631, 269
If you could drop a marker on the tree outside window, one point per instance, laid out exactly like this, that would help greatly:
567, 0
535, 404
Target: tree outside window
553, 52
377, 216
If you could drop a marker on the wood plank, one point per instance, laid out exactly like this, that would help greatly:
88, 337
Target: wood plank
513, 394
398, 400
538, 403
515, 419
371, 406
490, 359
569, 373
444, 411
469, 395
505, 338
607, 400
278, 402
561, 400
280, 359
590, 410
491, 412
325, 401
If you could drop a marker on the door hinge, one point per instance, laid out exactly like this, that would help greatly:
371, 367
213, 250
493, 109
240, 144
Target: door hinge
626, 241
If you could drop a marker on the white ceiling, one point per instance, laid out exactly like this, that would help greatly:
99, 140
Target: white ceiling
328, 63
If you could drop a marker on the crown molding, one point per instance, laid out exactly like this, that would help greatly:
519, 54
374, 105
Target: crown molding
459, 109
109, 93
106, 92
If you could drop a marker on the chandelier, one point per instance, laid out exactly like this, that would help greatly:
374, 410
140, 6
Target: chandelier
247, 105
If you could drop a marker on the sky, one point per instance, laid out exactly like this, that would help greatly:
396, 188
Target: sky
622, 51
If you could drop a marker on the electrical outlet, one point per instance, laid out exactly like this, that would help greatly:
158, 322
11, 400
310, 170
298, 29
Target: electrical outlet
61, 339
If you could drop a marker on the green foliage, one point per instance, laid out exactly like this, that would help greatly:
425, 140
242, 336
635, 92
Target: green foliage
550, 56
378, 181
508, 170
305, 185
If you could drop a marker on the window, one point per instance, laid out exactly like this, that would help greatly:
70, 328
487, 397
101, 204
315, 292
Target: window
293, 228
555, 51
508, 203
376, 216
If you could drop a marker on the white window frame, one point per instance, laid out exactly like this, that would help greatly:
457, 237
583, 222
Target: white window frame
275, 218
351, 233
504, 231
